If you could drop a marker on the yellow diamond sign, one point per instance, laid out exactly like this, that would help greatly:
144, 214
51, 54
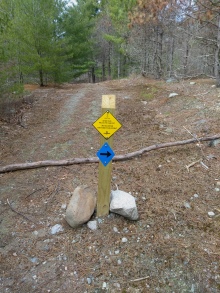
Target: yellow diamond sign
107, 125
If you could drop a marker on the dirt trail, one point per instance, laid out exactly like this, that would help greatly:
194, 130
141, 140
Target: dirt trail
175, 243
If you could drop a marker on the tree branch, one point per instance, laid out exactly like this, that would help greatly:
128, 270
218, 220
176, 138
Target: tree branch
68, 162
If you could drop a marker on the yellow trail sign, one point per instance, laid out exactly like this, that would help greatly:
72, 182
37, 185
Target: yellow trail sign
107, 125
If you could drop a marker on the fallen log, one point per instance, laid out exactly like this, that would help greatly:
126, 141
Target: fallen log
73, 161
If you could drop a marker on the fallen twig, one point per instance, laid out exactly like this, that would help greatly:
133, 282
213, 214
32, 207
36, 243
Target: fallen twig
68, 162
25, 217
140, 279
33, 192
192, 164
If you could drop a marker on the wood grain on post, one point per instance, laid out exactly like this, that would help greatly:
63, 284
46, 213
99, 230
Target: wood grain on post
104, 182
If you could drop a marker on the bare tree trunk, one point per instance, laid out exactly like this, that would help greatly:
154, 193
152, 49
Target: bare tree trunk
93, 74
103, 67
217, 55
186, 58
41, 77
158, 52
172, 42
109, 62
119, 65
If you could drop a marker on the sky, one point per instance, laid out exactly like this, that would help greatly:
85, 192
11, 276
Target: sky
72, 2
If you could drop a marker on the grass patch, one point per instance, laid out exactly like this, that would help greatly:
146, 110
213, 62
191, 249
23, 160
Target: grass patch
149, 93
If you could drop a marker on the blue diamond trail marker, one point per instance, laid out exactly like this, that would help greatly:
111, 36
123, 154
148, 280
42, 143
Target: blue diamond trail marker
105, 154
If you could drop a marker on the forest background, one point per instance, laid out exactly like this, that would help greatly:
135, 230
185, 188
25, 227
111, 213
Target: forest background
53, 41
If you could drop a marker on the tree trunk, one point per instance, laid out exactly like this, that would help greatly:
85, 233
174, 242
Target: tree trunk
217, 55
103, 67
41, 77
109, 62
93, 74
186, 58
119, 65
158, 52
124, 66
172, 43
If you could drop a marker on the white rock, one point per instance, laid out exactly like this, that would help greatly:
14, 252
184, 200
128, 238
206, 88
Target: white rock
104, 285
173, 95
192, 82
187, 205
63, 207
56, 229
196, 195
92, 225
124, 204
211, 214
119, 262
115, 229
81, 206
124, 240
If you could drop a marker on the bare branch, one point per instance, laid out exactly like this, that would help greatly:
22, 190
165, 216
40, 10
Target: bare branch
68, 162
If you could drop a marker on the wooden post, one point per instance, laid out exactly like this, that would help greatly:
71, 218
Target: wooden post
104, 182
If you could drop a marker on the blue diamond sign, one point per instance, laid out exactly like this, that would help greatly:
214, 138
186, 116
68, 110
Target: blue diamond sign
105, 154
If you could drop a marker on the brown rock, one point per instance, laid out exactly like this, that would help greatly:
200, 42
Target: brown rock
81, 206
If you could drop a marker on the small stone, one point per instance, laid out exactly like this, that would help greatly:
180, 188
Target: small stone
214, 142
187, 205
34, 259
56, 229
196, 195
218, 183
124, 240
217, 189
171, 80
168, 130
15, 254
100, 221
211, 214
89, 281
117, 251
115, 229
173, 95
119, 262
117, 285
104, 285
92, 225
63, 207
192, 83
